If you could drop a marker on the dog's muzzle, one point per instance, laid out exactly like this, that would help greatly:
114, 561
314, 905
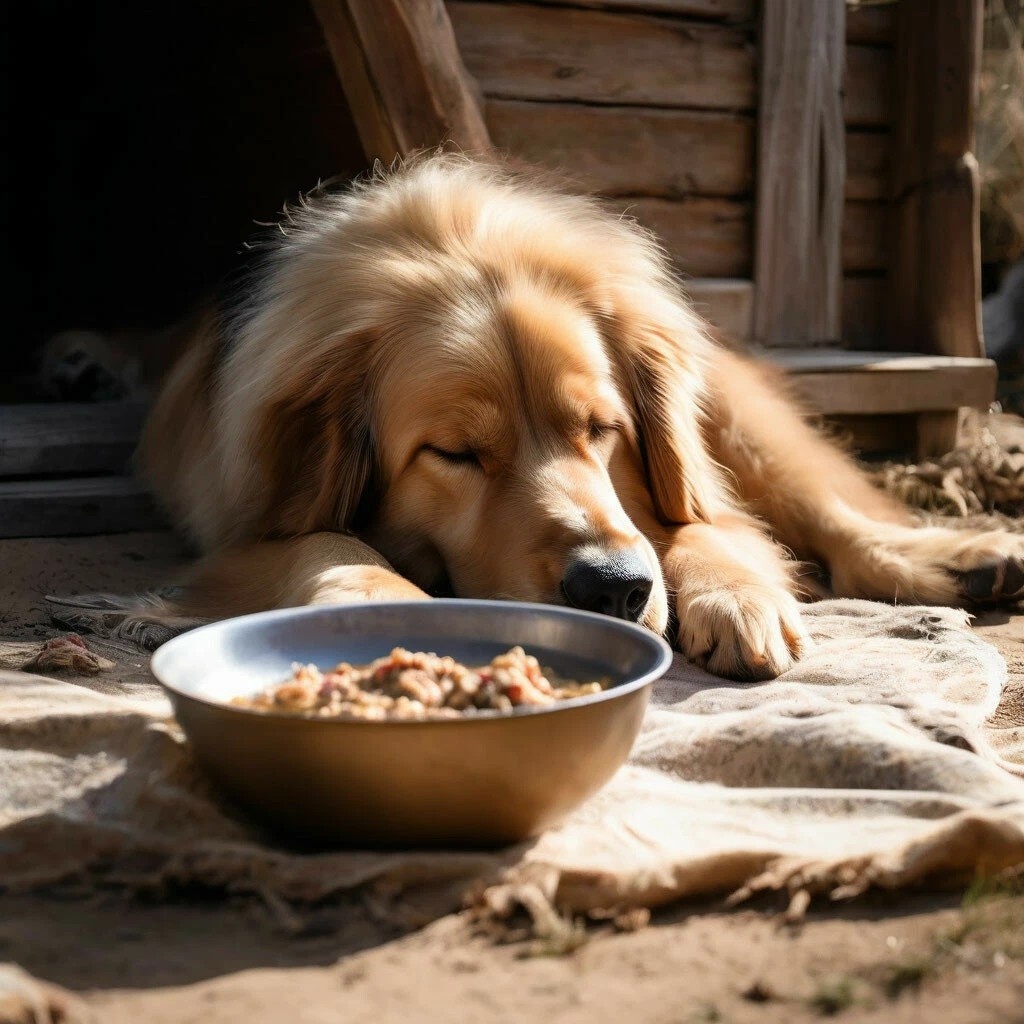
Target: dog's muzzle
616, 583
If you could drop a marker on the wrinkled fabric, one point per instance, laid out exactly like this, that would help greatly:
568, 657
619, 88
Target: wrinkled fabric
867, 764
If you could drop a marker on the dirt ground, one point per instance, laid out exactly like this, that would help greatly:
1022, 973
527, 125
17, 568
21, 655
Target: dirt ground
953, 957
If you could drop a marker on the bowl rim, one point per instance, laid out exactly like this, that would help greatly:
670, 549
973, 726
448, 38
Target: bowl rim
662, 663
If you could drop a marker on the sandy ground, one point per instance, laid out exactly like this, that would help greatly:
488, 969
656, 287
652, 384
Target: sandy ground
929, 957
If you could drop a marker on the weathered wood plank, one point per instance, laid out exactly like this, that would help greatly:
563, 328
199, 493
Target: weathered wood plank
402, 73
705, 237
710, 237
864, 236
867, 86
907, 391
867, 164
864, 303
517, 51
558, 53
871, 23
935, 293
68, 437
801, 173
659, 152
713, 10
841, 360
630, 150
85, 505
727, 303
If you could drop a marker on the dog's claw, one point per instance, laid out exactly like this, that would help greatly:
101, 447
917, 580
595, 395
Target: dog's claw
995, 582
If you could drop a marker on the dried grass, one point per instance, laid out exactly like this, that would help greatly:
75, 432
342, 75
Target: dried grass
984, 475
1000, 132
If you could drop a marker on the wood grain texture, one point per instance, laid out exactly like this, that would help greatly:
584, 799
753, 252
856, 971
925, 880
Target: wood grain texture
657, 152
713, 10
84, 505
867, 164
911, 391
630, 150
517, 51
704, 237
68, 437
875, 23
801, 173
935, 294
868, 85
727, 303
841, 360
402, 73
863, 308
615, 57
708, 237
865, 236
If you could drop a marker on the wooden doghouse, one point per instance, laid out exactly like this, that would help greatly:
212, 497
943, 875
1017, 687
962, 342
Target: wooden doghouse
807, 163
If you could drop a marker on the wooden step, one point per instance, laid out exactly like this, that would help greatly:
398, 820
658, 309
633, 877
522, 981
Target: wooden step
840, 382
68, 437
77, 506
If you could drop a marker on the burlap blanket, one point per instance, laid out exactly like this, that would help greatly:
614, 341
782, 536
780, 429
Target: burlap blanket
867, 764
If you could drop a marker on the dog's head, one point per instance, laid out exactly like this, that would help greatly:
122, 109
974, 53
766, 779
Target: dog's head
495, 385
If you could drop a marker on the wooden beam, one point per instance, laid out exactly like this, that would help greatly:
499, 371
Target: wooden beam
519, 51
837, 382
713, 10
874, 23
709, 237
402, 75
839, 360
704, 237
935, 270
801, 173
867, 88
650, 151
68, 437
84, 505
638, 151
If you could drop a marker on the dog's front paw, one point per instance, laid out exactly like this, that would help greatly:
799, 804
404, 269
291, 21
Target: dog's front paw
751, 632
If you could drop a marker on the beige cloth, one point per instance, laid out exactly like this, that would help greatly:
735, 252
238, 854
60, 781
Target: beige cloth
866, 764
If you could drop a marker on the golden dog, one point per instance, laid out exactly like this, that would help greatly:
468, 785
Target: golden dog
453, 378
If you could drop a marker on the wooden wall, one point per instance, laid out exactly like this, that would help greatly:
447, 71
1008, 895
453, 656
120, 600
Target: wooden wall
653, 104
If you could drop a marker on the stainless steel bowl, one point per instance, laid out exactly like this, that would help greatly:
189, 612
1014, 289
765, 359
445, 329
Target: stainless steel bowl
481, 780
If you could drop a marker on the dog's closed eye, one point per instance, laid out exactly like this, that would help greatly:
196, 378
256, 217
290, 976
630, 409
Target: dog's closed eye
462, 457
597, 431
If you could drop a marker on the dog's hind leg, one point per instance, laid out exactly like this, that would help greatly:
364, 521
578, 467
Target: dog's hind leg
825, 509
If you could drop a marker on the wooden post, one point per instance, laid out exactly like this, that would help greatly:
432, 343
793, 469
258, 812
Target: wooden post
935, 273
402, 74
801, 171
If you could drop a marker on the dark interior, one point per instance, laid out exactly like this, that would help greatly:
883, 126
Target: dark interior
143, 143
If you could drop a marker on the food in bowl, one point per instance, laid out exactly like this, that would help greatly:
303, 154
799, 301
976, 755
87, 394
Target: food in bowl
416, 685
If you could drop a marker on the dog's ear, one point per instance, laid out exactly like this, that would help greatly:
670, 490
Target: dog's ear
661, 352
315, 445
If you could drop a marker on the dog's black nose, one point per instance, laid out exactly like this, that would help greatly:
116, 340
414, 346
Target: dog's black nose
614, 583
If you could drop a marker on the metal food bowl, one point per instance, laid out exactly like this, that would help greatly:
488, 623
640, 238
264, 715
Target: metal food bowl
483, 780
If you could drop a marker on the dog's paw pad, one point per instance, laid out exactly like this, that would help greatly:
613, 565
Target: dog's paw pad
997, 581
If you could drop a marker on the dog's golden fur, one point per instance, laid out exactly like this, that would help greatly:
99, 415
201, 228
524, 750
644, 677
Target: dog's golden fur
455, 375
